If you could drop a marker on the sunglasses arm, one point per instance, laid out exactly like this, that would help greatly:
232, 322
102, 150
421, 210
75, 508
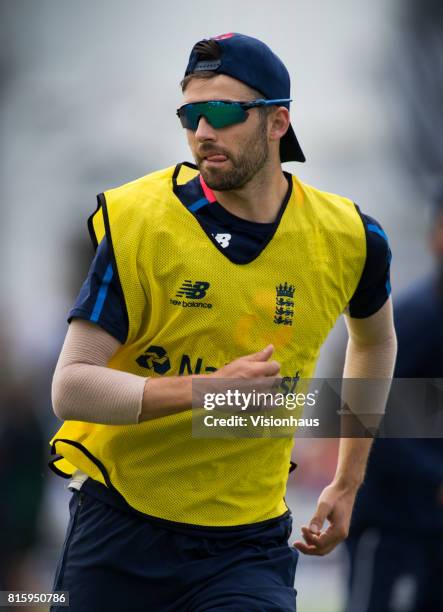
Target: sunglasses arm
263, 102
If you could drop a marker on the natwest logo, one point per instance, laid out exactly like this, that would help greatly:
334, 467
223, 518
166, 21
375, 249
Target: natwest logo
156, 358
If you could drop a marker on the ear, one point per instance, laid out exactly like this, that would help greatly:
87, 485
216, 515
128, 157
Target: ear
279, 122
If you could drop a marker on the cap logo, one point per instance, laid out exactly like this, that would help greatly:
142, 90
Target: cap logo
207, 65
223, 36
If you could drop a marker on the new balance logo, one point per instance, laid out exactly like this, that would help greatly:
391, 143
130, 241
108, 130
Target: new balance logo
223, 239
193, 291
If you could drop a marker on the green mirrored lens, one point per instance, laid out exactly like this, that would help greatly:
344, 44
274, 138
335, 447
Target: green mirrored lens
218, 114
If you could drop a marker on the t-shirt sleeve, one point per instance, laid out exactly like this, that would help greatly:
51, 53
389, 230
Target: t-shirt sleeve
100, 299
374, 287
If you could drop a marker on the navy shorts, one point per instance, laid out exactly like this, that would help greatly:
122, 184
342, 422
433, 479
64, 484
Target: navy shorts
394, 571
113, 560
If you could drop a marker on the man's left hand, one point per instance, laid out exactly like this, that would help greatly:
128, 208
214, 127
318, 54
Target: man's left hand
334, 504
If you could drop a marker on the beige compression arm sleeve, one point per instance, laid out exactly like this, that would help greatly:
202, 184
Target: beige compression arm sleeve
84, 389
370, 354
372, 346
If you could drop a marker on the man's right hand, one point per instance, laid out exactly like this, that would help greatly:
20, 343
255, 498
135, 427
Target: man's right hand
255, 365
171, 394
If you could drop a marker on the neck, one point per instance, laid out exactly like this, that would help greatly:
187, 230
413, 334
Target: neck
260, 199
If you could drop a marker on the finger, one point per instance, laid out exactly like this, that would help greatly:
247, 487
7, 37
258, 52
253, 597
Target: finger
268, 368
315, 549
326, 542
271, 368
267, 383
305, 548
310, 537
325, 549
263, 370
321, 514
318, 542
262, 355
331, 537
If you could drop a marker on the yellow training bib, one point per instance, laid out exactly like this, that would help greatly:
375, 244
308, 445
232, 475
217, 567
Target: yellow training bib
191, 310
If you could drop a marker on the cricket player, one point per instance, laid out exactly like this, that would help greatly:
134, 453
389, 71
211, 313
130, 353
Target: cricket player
226, 268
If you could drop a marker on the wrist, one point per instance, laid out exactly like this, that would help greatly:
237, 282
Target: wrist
347, 484
163, 396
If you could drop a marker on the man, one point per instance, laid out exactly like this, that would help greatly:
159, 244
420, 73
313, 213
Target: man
395, 543
228, 269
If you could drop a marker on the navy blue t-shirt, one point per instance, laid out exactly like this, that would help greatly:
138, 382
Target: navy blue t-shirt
101, 298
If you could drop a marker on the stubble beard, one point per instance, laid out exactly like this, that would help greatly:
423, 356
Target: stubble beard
244, 166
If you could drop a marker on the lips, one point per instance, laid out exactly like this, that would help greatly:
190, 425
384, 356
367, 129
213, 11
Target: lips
216, 158
212, 154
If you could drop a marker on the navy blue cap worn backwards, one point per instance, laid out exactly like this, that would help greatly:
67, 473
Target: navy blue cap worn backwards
249, 60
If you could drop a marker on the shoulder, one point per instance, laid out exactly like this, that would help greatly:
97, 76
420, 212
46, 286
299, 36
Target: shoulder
377, 241
149, 197
321, 197
374, 230
374, 285
378, 251
168, 178
142, 185
330, 212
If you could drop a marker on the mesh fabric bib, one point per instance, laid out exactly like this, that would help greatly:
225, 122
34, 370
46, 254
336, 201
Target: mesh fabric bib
191, 310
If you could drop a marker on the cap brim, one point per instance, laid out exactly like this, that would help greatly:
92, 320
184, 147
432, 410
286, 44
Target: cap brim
290, 150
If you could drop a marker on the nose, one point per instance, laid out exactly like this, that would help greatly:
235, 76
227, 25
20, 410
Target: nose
204, 130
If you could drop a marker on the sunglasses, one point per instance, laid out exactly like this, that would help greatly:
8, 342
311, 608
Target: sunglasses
220, 113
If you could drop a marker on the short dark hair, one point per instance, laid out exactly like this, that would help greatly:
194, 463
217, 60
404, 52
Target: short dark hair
210, 50
207, 50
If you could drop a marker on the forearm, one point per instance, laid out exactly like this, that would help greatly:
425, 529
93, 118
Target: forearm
366, 398
97, 395
165, 396
367, 376
370, 360
370, 354
369, 363
174, 394
351, 464
85, 389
